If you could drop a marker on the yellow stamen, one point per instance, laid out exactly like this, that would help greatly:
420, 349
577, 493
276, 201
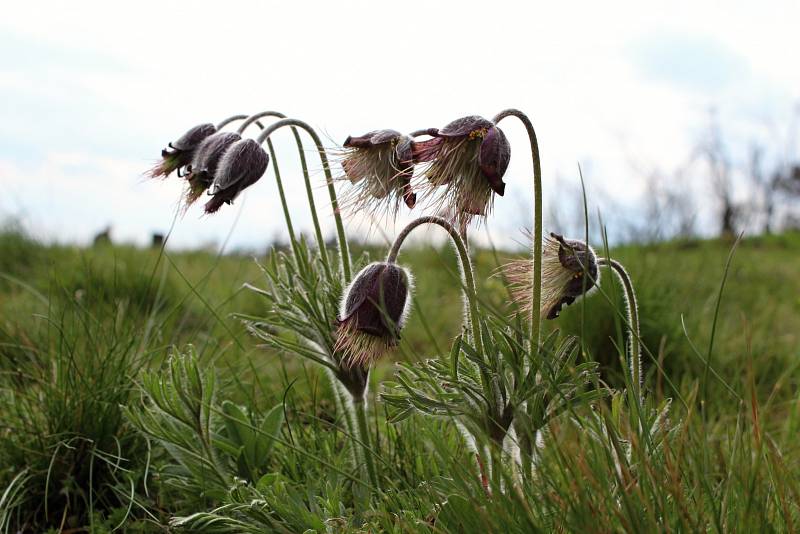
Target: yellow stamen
481, 132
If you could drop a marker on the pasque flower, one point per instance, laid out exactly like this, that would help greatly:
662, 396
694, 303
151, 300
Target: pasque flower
179, 153
373, 311
569, 270
241, 165
203, 168
379, 165
468, 157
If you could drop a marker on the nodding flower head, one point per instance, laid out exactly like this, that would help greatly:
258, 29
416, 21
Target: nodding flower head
373, 311
179, 153
468, 157
203, 168
379, 166
242, 164
565, 265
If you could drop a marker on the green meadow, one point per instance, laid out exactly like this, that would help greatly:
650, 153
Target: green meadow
100, 345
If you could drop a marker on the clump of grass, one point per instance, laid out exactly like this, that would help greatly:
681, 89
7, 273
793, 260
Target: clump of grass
68, 455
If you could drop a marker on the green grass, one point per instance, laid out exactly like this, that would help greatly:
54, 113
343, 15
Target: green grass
85, 342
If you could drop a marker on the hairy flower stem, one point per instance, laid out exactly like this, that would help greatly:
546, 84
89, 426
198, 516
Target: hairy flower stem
346, 406
344, 252
340, 397
306, 177
635, 356
360, 409
526, 446
233, 118
287, 217
470, 295
536, 314
466, 269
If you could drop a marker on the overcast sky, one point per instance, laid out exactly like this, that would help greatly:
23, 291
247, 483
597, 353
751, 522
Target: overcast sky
91, 91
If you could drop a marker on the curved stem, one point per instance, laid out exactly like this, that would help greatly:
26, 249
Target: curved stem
466, 268
250, 119
536, 314
232, 118
344, 252
276, 169
635, 357
306, 178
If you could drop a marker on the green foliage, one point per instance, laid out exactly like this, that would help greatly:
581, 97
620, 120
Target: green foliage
253, 441
486, 394
212, 441
301, 307
104, 429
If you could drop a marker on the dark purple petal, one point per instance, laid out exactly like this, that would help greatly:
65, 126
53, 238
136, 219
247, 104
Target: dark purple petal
178, 154
376, 300
241, 166
578, 258
364, 141
494, 157
404, 152
422, 151
433, 132
385, 136
409, 196
370, 139
191, 139
555, 310
464, 126
208, 154
572, 254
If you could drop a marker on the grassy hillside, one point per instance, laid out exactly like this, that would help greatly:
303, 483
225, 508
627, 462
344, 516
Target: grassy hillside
79, 327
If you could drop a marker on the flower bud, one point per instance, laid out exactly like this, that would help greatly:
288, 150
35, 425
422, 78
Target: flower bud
203, 169
373, 311
242, 165
179, 153
569, 271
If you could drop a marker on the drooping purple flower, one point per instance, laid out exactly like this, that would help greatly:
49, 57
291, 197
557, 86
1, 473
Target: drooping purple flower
374, 308
179, 153
203, 168
379, 167
242, 165
468, 158
569, 271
